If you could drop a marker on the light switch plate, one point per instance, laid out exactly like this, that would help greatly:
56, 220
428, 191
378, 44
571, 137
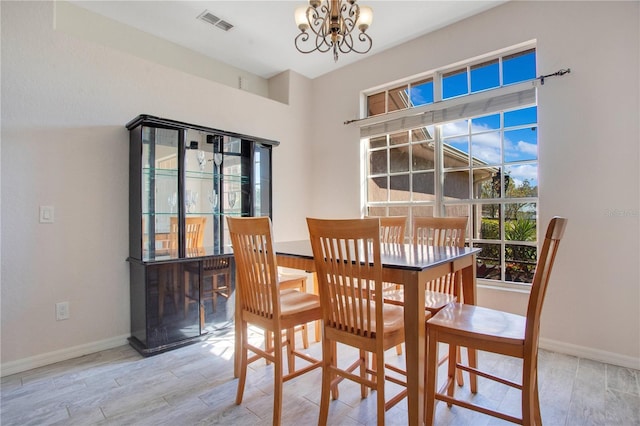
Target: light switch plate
46, 214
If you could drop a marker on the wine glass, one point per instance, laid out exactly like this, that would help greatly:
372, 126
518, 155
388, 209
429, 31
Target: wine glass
217, 159
191, 198
202, 160
232, 199
172, 200
213, 200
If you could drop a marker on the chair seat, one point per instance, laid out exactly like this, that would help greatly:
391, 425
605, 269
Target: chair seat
292, 302
392, 315
434, 301
474, 320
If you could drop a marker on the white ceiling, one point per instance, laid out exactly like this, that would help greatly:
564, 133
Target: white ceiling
261, 41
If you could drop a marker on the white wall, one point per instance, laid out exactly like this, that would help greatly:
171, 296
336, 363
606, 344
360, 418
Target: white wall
589, 153
65, 102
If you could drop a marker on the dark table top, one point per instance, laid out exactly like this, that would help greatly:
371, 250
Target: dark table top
397, 256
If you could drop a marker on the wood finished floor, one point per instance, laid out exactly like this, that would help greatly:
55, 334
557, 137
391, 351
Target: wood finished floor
194, 385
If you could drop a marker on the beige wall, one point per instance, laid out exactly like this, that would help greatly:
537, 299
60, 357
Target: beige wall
65, 102
589, 152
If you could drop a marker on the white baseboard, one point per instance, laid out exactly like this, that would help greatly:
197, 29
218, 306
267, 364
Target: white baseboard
590, 353
36, 361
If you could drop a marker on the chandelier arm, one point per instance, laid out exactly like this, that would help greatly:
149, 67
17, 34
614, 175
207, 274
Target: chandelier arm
348, 45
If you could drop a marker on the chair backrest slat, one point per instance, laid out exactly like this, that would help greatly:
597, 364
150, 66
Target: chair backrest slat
348, 264
392, 229
440, 231
256, 266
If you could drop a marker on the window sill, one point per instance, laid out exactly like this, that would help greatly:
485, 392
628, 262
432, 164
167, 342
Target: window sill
504, 286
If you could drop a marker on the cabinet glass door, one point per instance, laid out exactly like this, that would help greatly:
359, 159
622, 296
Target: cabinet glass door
159, 192
201, 192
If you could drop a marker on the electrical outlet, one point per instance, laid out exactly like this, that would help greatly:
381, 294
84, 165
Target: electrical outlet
62, 311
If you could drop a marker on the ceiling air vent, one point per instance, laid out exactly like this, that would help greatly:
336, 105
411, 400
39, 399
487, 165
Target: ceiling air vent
209, 17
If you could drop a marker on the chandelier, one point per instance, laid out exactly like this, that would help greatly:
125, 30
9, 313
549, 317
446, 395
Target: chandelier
332, 24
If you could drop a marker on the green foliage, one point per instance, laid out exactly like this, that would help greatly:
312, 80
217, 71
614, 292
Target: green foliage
521, 230
490, 229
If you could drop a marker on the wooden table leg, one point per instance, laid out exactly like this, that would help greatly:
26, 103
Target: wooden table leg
469, 297
414, 318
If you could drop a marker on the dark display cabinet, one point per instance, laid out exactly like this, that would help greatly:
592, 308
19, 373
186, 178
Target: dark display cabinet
183, 180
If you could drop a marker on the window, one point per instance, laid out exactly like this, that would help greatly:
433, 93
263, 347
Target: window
467, 146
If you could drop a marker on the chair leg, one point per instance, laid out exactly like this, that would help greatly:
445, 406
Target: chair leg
472, 355
334, 357
399, 350
291, 346
214, 293
536, 401
451, 371
243, 364
268, 343
305, 336
380, 402
277, 382
459, 377
328, 356
364, 363
530, 407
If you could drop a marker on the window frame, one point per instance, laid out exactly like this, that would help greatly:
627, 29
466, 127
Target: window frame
439, 204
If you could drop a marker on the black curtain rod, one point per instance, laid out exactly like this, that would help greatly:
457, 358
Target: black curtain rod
555, 74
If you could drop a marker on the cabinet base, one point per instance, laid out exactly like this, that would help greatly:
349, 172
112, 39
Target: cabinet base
144, 351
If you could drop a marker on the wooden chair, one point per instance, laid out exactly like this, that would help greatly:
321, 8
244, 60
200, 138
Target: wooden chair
262, 304
298, 283
348, 264
498, 332
392, 229
437, 231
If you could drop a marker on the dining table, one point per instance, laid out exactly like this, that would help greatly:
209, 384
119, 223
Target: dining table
412, 266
